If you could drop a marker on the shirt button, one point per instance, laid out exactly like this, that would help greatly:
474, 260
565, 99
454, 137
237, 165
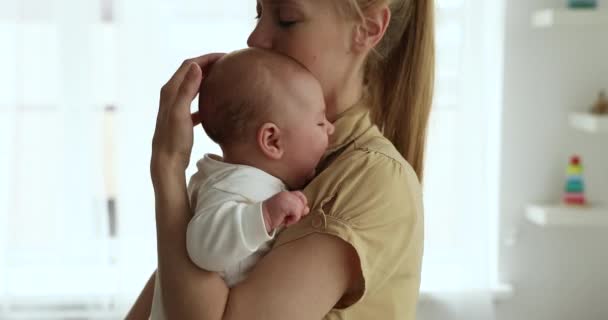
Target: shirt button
318, 220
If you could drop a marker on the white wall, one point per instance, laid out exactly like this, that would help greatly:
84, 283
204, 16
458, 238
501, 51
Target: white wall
557, 273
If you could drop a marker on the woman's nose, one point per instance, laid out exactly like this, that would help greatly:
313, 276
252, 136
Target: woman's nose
259, 38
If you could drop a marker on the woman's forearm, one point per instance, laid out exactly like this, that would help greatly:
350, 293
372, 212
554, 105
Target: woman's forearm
143, 305
188, 292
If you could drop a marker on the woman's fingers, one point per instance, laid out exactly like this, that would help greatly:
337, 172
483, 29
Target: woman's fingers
206, 61
187, 91
170, 90
173, 135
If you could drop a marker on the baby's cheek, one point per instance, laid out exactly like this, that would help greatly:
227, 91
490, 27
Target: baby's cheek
324, 145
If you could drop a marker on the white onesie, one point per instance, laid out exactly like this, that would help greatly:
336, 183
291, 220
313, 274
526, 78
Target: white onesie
227, 233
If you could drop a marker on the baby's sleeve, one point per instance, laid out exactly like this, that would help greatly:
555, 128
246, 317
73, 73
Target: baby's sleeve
223, 234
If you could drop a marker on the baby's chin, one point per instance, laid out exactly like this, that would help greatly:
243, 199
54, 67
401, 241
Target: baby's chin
309, 178
305, 180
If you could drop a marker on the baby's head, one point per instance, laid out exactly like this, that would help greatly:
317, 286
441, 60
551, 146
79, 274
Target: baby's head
266, 110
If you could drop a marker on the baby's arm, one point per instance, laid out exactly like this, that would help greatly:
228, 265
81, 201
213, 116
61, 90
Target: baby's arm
222, 235
284, 208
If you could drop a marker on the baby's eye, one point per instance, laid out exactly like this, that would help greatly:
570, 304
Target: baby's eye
321, 124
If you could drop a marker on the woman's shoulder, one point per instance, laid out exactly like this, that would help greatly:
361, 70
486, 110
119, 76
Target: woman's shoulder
372, 157
368, 180
375, 143
369, 197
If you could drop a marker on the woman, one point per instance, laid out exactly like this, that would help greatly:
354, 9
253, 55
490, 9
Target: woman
358, 254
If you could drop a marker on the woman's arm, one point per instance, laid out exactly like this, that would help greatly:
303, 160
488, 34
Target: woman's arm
303, 279
171, 148
143, 305
300, 280
188, 292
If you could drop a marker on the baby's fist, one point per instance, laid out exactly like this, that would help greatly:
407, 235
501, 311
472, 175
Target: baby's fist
284, 208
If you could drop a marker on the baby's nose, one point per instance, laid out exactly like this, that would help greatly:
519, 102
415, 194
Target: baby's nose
330, 128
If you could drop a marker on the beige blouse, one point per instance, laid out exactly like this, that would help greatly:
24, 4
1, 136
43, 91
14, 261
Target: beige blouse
369, 196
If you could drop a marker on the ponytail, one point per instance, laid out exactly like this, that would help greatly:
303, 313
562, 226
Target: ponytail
400, 74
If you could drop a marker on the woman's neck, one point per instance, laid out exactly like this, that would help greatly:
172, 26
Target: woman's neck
345, 96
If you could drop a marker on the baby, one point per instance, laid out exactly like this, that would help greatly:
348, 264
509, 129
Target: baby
267, 113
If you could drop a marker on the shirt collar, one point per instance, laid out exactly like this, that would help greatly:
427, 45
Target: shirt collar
350, 125
250, 182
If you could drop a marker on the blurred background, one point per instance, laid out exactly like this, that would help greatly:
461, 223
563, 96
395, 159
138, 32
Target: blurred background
516, 80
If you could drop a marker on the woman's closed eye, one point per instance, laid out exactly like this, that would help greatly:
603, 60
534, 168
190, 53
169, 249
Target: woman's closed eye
284, 22
287, 17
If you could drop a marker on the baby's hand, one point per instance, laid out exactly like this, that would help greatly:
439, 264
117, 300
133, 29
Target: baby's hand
284, 208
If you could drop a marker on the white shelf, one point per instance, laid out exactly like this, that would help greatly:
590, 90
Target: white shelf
561, 215
589, 122
500, 292
547, 18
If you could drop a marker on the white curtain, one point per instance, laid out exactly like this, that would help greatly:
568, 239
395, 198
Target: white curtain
64, 62
461, 184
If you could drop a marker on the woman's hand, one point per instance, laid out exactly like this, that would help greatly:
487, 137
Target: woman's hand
181, 281
173, 136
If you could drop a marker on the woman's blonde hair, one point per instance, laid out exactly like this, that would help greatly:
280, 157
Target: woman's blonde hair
399, 75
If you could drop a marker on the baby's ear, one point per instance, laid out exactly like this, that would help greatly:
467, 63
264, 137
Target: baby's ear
270, 141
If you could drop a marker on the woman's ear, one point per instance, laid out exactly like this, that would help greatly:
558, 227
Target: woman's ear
370, 31
270, 141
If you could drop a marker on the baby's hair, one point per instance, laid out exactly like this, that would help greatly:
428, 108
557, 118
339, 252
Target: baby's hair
237, 94
232, 105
